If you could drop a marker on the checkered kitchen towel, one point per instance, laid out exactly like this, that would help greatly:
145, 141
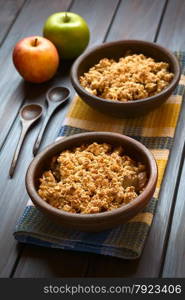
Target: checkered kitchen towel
156, 131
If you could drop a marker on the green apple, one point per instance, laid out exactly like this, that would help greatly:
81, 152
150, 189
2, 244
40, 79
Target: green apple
69, 32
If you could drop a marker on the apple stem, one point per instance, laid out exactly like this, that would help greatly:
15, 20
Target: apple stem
66, 18
35, 42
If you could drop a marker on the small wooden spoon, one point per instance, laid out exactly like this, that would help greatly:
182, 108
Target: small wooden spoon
54, 98
28, 115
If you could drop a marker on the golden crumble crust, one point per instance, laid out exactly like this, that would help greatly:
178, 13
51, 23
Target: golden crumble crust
131, 78
91, 179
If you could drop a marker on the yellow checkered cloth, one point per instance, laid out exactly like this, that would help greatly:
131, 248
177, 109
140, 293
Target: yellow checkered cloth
156, 131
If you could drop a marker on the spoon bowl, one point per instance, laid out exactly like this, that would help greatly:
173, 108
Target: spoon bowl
30, 112
54, 97
58, 93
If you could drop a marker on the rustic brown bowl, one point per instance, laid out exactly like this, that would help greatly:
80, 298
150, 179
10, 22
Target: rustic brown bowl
116, 50
98, 221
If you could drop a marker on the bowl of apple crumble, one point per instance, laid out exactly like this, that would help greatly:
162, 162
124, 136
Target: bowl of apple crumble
92, 181
125, 78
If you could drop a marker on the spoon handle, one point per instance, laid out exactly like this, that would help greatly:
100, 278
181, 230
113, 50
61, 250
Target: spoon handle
17, 150
41, 132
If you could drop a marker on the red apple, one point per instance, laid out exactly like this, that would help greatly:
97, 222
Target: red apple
36, 59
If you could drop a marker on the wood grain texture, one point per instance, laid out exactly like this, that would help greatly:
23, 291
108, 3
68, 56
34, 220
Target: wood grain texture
35, 94
137, 19
174, 265
173, 37
51, 263
172, 33
91, 11
8, 13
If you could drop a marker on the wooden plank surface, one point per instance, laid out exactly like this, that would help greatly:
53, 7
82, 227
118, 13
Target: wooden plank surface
40, 262
174, 37
8, 13
10, 211
172, 33
174, 265
137, 19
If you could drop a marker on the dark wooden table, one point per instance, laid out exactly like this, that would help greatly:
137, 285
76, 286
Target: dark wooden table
162, 21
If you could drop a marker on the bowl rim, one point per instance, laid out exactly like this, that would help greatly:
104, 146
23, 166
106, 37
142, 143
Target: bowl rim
167, 52
97, 216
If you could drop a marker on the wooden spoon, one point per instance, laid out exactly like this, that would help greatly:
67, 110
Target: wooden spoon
54, 98
28, 115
